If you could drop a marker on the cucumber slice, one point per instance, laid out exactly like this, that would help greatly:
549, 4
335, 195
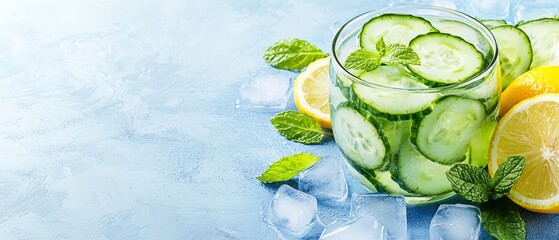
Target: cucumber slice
515, 52
445, 58
386, 181
358, 138
544, 37
395, 132
444, 135
420, 174
464, 31
393, 28
479, 145
489, 88
492, 23
393, 102
344, 83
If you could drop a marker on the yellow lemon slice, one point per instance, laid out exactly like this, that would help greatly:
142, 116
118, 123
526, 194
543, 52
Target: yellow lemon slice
531, 129
310, 92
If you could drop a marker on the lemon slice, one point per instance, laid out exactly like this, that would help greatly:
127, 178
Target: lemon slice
529, 84
310, 92
531, 129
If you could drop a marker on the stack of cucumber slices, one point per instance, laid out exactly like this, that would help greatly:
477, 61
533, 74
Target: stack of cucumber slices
525, 46
404, 141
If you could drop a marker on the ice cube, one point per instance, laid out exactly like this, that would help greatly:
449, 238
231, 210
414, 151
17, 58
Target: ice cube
363, 228
455, 222
490, 9
531, 10
294, 213
389, 210
325, 181
265, 92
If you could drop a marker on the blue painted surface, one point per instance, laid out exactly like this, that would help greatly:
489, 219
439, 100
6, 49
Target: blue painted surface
118, 118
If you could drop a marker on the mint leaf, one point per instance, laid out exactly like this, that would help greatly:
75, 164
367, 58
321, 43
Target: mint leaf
381, 46
298, 127
362, 59
399, 54
502, 220
506, 175
470, 182
292, 54
287, 167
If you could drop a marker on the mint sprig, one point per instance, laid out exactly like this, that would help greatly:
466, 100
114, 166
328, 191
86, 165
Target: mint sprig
298, 127
391, 54
292, 54
502, 220
287, 167
506, 175
499, 217
472, 183
362, 59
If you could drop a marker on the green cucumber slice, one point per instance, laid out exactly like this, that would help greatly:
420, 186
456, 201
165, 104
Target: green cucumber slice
544, 38
492, 23
446, 58
515, 52
444, 135
358, 138
464, 31
420, 174
479, 145
393, 28
389, 102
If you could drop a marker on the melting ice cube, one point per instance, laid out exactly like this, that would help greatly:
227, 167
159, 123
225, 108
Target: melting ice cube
363, 228
294, 213
455, 222
265, 92
325, 181
389, 210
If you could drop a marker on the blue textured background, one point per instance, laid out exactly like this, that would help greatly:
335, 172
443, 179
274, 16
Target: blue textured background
118, 121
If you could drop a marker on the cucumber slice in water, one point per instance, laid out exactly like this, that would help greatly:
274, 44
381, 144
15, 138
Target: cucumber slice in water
358, 138
515, 52
444, 135
544, 37
492, 23
445, 58
393, 28
420, 174
464, 31
393, 102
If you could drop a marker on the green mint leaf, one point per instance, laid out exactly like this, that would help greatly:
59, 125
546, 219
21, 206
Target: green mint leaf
470, 182
292, 54
298, 127
362, 59
502, 220
400, 54
506, 175
287, 167
381, 47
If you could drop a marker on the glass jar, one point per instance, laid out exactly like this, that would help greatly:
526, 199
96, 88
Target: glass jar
400, 133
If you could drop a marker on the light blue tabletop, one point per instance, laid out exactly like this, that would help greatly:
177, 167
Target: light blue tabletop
118, 120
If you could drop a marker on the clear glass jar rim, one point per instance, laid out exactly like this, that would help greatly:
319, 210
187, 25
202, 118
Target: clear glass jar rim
478, 26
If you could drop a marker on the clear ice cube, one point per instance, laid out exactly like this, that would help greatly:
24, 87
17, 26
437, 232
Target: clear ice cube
389, 210
530, 10
325, 181
363, 228
491, 9
265, 92
455, 222
294, 213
